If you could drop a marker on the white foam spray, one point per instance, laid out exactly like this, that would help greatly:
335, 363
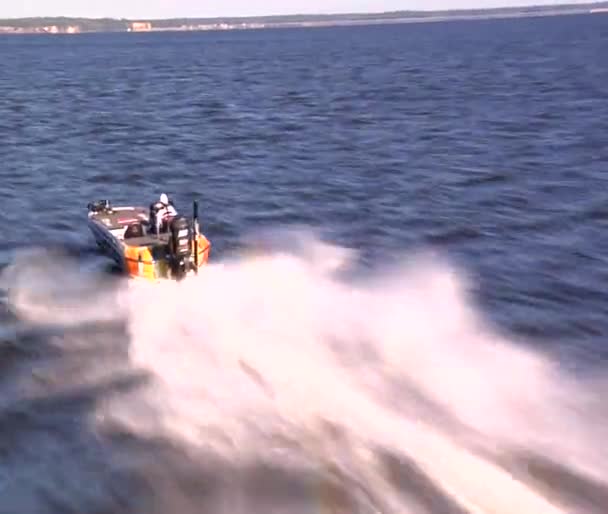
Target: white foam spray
260, 355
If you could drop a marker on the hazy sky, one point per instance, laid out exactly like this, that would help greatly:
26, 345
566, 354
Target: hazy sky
201, 8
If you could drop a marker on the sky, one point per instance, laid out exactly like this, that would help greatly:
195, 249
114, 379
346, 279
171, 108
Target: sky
199, 8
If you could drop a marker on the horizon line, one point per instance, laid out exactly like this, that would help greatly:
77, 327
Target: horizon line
344, 13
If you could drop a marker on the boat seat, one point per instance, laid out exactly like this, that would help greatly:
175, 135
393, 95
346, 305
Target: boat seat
134, 230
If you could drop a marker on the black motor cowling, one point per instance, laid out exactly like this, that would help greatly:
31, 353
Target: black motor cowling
180, 245
180, 237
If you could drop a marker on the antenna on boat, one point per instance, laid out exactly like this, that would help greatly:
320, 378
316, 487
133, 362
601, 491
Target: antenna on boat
196, 233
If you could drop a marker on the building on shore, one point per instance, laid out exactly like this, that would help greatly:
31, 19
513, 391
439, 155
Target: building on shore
140, 26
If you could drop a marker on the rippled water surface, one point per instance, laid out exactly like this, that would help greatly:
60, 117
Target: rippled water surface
462, 166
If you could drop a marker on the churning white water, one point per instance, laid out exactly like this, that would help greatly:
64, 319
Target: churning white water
276, 358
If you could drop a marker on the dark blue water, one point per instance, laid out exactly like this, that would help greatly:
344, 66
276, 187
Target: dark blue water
484, 141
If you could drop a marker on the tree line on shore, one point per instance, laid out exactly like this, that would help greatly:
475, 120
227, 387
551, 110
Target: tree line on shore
123, 24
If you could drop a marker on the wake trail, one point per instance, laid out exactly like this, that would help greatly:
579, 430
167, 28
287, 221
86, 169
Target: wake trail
278, 358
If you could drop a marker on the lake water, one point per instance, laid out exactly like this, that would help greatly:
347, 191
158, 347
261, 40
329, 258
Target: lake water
429, 314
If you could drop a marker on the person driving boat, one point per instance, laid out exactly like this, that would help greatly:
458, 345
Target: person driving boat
161, 213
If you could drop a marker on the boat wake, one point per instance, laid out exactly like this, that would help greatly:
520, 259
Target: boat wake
275, 381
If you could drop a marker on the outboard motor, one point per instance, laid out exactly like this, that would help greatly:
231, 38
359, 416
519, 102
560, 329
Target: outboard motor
180, 246
100, 206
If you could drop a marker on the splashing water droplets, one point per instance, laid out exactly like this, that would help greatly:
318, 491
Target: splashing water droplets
273, 357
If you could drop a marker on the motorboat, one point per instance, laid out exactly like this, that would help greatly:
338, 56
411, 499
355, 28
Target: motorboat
145, 249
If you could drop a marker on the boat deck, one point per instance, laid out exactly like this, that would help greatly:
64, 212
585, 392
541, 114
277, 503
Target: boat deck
121, 217
149, 240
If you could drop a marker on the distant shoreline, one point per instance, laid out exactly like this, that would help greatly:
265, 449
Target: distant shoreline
69, 25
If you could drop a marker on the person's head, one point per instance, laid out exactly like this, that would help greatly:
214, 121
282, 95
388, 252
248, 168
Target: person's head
164, 199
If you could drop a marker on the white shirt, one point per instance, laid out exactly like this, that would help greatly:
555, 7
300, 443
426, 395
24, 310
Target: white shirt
166, 212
